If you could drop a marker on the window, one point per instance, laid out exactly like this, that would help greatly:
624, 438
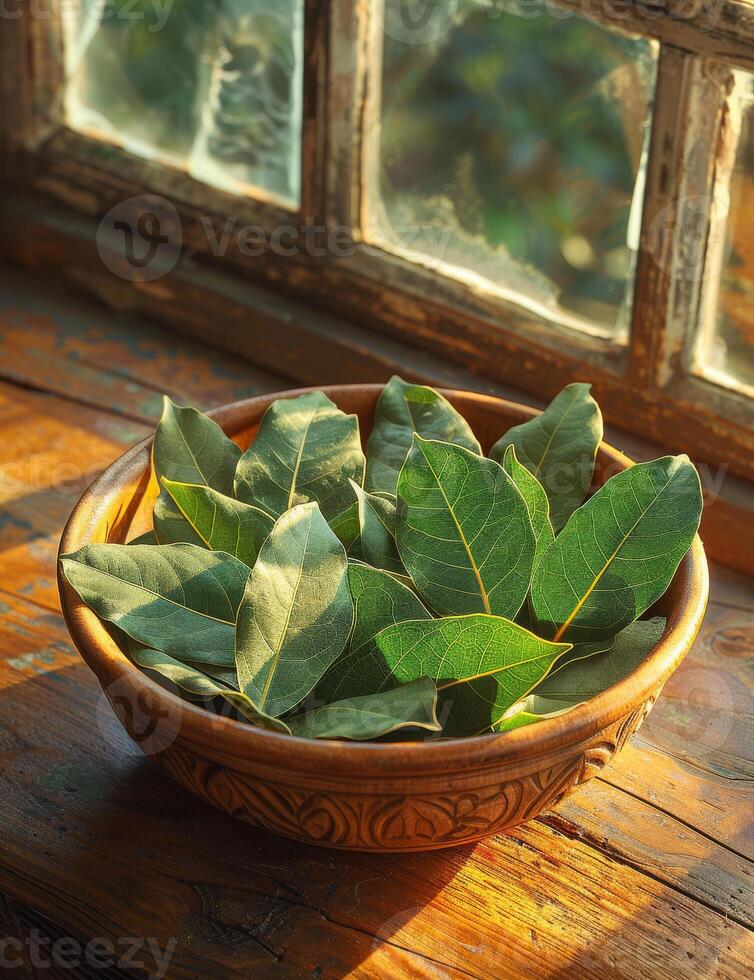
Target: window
541, 190
212, 88
725, 350
500, 135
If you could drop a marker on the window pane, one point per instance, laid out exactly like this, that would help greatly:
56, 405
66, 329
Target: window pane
211, 86
726, 350
511, 144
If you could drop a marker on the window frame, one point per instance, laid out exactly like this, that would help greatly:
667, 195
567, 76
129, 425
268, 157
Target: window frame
644, 386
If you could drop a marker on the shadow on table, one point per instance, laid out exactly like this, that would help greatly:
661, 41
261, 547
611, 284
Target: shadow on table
237, 898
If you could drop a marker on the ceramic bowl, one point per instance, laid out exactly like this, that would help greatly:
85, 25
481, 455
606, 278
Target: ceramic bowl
404, 796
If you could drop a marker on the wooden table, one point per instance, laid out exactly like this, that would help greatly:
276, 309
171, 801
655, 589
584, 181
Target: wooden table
647, 871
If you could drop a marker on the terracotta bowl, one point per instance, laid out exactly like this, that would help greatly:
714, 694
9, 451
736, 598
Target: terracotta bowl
405, 796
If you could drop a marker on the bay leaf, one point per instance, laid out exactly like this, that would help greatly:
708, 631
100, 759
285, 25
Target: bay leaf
463, 531
377, 514
346, 527
379, 600
306, 450
297, 613
225, 675
531, 710
189, 447
402, 410
170, 526
559, 447
221, 522
194, 681
535, 499
180, 599
148, 537
186, 676
579, 681
370, 716
570, 683
581, 651
618, 552
482, 665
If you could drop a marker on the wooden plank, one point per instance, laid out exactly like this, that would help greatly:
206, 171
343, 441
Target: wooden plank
120, 850
693, 759
52, 449
67, 344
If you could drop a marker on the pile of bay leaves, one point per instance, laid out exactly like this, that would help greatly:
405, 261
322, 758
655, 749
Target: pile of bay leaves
424, 590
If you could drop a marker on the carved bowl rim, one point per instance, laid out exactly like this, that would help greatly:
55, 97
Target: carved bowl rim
223, 738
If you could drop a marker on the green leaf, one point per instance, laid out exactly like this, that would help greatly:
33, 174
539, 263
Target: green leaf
482, 665
402, 410
379, 600
377, 530
531, 710
185, 676
582, 651
346, 526
570, 683
196, 682
577, 682
225, 675
148, 537
409, 706
463, 531
297, 612
618, 552
559, 447
306, 449
189, 448
535, 499
170, 526
179, 599
222, 523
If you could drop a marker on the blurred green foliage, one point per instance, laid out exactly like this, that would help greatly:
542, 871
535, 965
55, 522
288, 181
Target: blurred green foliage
532, 127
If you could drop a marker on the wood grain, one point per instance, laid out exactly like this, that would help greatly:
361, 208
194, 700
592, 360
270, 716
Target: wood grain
121, 850
645, 872
85, 386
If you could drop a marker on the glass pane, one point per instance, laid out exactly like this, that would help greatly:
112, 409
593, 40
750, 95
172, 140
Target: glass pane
726, 352
511, 145
211, 86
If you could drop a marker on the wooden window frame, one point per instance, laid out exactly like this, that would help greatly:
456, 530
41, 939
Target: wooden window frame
645, 386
